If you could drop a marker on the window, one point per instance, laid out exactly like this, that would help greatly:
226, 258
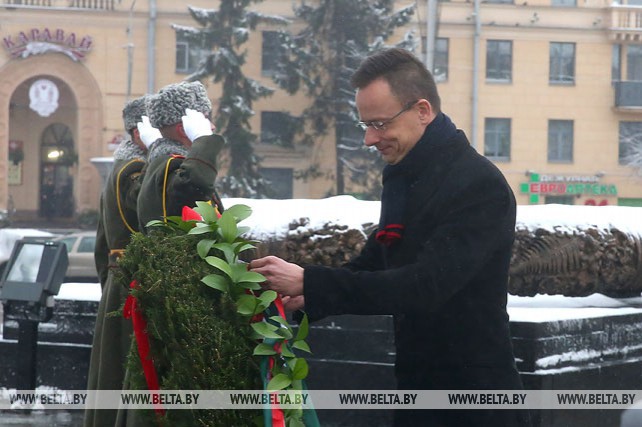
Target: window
87, 244
559, 200
562, 63
630, 144
441, 60
497, 139
499, 1
69, 243
560, 141
277, 128
188, 54
269, 52
566, 3
616, 63
634, 63
499, 60
279, 182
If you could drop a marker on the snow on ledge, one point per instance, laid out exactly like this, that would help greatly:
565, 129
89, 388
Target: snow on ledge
547, 308
79, 292
572, 218
270, 218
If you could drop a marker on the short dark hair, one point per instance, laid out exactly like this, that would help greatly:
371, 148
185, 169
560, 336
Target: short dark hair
408, 77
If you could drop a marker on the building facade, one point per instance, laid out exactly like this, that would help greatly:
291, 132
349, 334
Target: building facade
549, 90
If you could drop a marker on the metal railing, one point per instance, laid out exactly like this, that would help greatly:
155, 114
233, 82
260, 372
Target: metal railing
628, 95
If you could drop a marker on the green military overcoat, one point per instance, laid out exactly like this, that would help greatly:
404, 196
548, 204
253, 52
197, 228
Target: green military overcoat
117, 221
176, 177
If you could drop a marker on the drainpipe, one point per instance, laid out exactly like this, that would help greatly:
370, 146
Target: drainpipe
130, 50
431, 33
475, 95
151, 48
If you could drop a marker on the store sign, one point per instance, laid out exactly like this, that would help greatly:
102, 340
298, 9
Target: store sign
38, 42
565, 185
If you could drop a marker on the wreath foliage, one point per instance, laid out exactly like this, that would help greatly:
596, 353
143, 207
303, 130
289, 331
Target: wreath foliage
210, 325
196, 337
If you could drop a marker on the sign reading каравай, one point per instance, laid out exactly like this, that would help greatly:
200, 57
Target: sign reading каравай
37, 42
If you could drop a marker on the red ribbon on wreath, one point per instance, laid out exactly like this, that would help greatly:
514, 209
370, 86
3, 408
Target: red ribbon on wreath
276, 418
132, 311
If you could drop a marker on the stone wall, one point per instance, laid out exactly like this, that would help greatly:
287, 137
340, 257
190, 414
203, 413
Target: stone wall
571, 263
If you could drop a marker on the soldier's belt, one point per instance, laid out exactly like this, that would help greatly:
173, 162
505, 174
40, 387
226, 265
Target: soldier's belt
114, 256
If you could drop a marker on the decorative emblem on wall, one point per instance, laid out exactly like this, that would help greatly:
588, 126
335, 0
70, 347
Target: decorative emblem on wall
43, 97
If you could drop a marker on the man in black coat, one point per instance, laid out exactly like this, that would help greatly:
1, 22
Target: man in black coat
439, 259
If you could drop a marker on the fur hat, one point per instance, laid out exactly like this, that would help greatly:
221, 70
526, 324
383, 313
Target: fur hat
133, 111
168, 106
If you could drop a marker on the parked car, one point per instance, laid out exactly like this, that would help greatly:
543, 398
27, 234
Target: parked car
80, 251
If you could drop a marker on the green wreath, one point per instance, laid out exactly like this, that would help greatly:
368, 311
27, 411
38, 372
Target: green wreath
198, 300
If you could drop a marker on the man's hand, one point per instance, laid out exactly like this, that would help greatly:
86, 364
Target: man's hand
293, 303
147, 133
196, 124
281, 276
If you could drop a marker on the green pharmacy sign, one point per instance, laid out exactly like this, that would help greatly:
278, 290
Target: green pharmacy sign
547, 185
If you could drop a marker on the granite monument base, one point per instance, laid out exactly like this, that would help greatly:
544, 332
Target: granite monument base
577, 348
584, 349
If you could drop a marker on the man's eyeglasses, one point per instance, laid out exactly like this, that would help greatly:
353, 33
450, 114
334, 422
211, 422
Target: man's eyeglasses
381, 124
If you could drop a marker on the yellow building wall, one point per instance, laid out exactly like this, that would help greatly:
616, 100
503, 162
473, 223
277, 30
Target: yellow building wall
528, 100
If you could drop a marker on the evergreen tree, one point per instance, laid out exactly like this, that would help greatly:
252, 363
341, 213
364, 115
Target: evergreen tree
320, 60
222, 34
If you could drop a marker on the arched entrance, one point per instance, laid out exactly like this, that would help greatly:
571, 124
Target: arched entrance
57, 156
45, 127
80, 111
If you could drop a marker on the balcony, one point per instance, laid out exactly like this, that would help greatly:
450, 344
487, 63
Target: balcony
628, 95
626, 23
59, 4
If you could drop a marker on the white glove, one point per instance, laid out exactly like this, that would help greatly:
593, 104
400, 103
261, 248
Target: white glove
195, 124
147, 133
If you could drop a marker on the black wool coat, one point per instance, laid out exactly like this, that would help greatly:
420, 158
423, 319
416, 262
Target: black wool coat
445, 282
